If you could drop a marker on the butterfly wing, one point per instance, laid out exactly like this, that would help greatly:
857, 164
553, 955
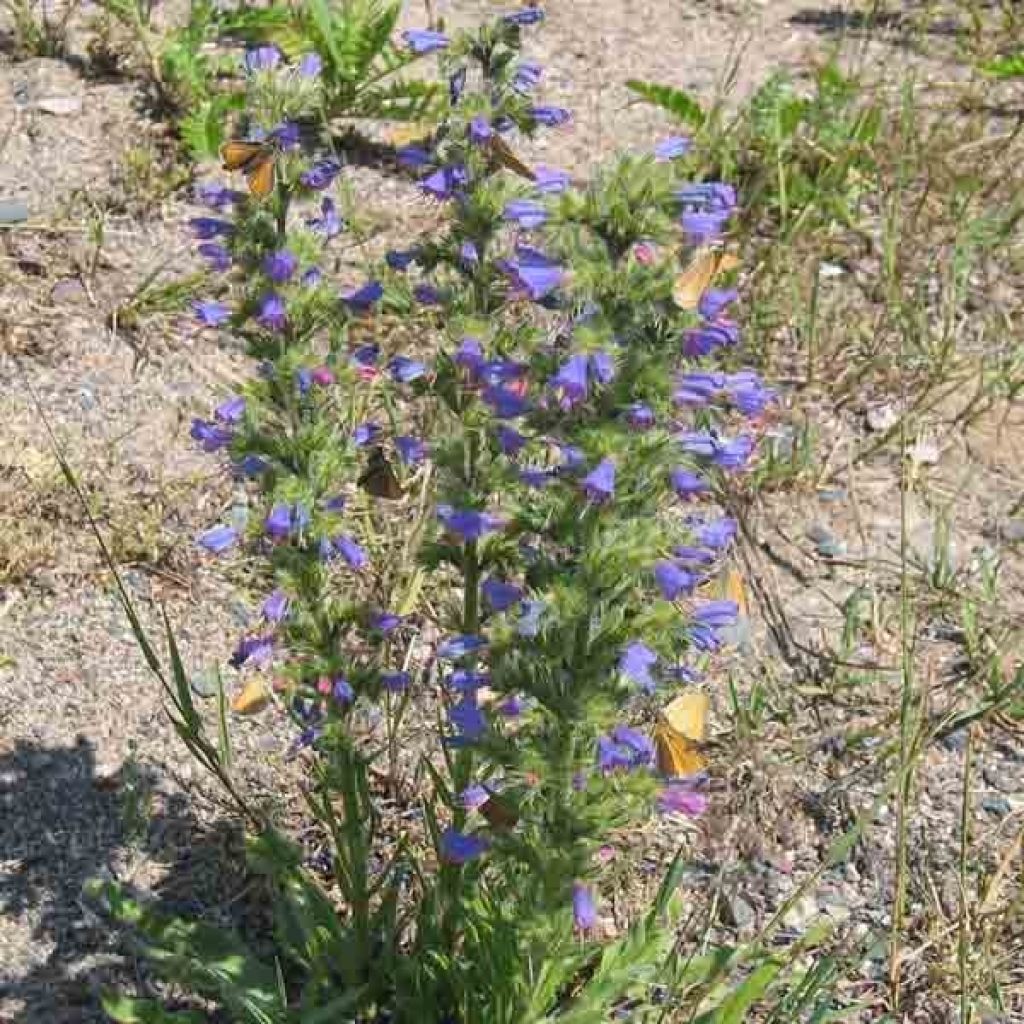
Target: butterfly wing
499, 814
693, 282
678, 734
502, 152
380, 479
261, 176
677, 756
236, 153
252, 699
687, 715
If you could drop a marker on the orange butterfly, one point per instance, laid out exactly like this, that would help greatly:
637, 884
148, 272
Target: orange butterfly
679, 734
256, 160
707, 263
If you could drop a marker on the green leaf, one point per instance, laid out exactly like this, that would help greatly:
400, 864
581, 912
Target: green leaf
734, 1008
127, 1010
1010, 66
675, 101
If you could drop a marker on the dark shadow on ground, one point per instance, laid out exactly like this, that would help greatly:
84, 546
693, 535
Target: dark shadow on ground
61, 826
889, 26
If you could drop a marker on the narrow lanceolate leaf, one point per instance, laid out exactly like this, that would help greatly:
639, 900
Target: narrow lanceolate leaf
675, 101
1010, 66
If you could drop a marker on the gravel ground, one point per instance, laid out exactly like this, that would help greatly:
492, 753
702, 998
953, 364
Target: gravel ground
92, 779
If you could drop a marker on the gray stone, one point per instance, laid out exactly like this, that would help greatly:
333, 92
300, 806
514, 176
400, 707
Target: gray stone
204, 684
60, 106
13, 211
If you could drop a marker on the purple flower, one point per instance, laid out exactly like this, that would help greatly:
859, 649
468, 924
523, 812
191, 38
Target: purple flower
470, 356
212, 437
698, 388
311, 278
252, 465
275, 607
692, 556
702, 341
445, 182
526, 16
748, 394
341, 690
422, 40
231, 410
458, 847
672, 148
405, 370
640, 416
366, 356
355, 557
510, 441
460, 646
479, 130
717, 534
365, 433
499, 594
599, 484
206, 228
362, 298
673, 580
527, 213
216, 255
505, 403
218, 539
412, 156
253, 650
385, 622
211, 314
550, 117
304, 379
526, 76
572, 380
474, 796
280, 266
457, 85
466, 681
533, 273
217, 197
469, 256
529, 622
714, 300
401, 259
688, 484
323, 376
708, 195
262, 58
328, 224
602, 367
428, 294
411, 450
395, 682
286, 135
311, 65
533, 476
716, 614
703, 227
734, 453
624, 748
468, 524
273, 314
550, 180
682, 799
584, 910
468, 719
278, 523
640, 746
636, 663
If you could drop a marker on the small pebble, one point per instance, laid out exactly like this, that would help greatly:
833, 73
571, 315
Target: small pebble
13, 211
60, 106
204, 684
1013, 531
997, 805
827, 544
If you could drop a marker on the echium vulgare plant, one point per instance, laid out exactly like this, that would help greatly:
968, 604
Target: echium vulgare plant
517, 514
